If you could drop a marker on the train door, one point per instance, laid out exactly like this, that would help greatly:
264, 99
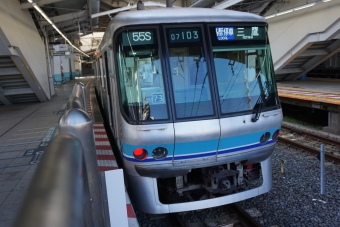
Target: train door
114, 94
100, 69
96, 70
108, 89
197, 128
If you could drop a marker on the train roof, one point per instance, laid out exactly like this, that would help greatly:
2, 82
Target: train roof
179, 15
174, 15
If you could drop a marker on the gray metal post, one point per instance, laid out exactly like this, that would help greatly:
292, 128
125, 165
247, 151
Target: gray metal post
49, 71
55, 195
168, 3
140, 5
76, 122
322, 169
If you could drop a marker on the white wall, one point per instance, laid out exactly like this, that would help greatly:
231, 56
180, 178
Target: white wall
21, 32
287, 31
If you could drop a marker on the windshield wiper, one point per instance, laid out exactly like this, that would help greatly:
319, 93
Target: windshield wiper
257, 110
259, 103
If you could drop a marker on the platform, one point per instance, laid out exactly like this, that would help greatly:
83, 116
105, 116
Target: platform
315, 90
25, 130
315, 93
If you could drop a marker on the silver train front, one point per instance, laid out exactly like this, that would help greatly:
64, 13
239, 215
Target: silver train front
142, 176
223, 149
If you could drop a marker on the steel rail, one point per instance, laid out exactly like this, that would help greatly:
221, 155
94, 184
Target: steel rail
320, 138
329, 157
244, 219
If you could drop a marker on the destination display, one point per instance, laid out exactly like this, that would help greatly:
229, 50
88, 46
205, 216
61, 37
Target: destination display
240, 33
181, 35
141, 37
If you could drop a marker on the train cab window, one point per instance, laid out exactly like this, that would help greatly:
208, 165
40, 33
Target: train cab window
243, 68
189, 72
140, 75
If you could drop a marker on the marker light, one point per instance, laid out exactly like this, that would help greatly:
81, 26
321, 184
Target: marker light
276, 134
159, 153
264, 138
140, 154
249, 167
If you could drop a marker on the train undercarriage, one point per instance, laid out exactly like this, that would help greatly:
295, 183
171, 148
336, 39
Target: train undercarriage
209, 182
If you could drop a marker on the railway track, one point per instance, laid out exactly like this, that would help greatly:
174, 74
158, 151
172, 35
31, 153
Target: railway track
233, 216
311, 143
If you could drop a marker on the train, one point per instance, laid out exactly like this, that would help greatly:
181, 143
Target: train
190, 97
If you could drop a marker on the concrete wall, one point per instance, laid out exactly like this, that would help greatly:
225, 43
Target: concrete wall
21, 32
77, 65
287, 32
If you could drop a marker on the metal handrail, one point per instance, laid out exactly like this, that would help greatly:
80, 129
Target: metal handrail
78, 123
65, 190
54, 197
78, 97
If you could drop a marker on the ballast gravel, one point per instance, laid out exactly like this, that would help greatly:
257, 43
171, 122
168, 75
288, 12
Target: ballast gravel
294, 200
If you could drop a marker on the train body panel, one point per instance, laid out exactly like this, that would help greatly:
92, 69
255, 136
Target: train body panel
194, 149
192, 104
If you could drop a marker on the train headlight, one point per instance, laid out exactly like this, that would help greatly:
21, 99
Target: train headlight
276, 134
140, 154
264, 138
159, 153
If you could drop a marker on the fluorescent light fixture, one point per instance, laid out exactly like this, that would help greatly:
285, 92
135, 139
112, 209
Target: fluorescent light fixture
326, 0
304, 6
274, 15
284, 12
293, 9
54, 26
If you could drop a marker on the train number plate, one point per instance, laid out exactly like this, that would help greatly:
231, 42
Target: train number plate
157, 98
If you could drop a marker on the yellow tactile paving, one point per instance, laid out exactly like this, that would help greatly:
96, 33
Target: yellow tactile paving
310, 95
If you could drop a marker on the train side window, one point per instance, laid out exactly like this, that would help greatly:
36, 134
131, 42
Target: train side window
97, 71
104, 73
140, 75
189, 73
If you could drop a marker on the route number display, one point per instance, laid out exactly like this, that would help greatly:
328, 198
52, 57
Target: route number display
181, 35
132, 38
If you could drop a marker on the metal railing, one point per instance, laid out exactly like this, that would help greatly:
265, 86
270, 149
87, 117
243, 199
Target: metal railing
65, 190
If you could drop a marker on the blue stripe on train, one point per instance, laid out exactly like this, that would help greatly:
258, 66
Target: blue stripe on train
202, 155
199, 149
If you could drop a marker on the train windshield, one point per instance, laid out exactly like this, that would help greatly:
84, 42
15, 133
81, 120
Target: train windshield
189, 73
140, 75
243, 68
229, 63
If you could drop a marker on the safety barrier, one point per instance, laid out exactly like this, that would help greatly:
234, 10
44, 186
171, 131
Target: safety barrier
65, 190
